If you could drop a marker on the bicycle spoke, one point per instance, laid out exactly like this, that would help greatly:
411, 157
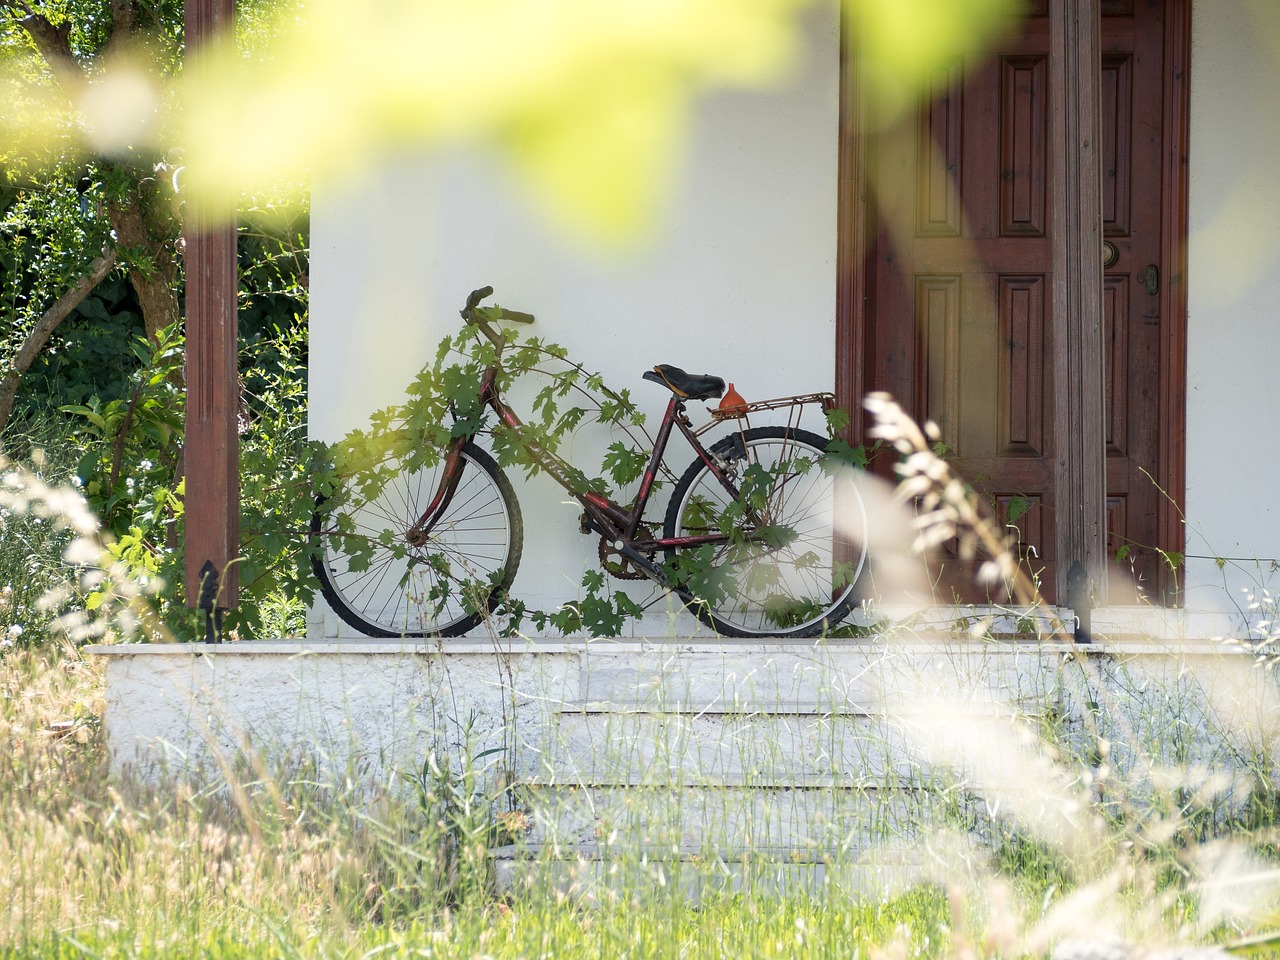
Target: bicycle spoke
383, 585
778, 572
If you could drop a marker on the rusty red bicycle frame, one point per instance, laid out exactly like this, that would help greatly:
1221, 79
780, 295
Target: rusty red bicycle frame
601, 514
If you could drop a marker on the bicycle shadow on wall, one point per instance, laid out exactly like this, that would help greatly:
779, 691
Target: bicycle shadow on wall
771, 531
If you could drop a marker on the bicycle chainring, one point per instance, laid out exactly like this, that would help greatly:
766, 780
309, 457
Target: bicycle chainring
616, 564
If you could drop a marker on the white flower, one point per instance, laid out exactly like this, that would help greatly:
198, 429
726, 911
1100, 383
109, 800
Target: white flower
145, 465
6, 643
15, 631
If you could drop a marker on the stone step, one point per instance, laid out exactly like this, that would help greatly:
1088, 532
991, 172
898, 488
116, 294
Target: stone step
624, 744
600, 872
871, 677
820, 814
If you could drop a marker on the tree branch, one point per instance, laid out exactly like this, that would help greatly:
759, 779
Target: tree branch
121, 17
54, 44
48, 322
156, 282
122, 12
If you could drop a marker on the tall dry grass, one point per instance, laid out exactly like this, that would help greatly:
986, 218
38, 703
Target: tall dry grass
1059, 825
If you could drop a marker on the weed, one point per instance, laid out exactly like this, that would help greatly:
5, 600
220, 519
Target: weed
1132, 798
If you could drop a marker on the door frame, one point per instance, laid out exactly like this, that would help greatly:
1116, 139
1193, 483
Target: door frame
855, 256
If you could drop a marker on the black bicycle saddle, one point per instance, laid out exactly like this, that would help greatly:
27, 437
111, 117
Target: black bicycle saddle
688, 386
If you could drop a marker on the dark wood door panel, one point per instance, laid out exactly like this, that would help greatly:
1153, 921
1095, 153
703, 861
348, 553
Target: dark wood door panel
1023, 162
960, 325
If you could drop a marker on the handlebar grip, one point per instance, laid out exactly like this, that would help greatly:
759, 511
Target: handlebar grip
475, 297
515, 316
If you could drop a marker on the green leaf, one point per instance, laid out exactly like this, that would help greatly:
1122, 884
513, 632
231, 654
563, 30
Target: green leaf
624, 464
840, 452
837, 420
89, 414
1262, 943
1018, 508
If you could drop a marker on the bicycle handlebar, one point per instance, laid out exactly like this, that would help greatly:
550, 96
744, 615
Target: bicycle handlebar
470, 315
473, 301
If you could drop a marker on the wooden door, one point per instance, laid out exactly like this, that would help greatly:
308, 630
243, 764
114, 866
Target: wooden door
959, 324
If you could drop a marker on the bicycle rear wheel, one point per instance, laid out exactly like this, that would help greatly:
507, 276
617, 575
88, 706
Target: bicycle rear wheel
384, 587
787, 567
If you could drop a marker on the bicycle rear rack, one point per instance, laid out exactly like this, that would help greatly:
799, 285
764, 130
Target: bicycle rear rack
794, 405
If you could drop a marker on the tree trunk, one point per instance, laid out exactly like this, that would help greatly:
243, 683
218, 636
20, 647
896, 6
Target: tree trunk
152, 271
43, 330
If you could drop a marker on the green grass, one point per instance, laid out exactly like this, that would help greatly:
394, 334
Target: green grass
309, 862
91, 865
732, 928
300, 863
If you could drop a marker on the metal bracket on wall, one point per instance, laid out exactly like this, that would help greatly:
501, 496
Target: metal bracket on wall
209, 603
1081, 602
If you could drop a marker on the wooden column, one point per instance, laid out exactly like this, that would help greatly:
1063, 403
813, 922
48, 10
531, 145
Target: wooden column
1079, 400
211, 453
1172, 446
852, 259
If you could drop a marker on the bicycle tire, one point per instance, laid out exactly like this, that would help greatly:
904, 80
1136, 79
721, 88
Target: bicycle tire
747, 588
383, 587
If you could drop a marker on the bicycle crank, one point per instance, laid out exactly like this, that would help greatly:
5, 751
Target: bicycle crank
625, 562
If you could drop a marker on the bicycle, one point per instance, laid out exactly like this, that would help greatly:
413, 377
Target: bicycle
750, 541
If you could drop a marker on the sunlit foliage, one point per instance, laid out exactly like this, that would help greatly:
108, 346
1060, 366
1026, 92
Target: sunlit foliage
588, 102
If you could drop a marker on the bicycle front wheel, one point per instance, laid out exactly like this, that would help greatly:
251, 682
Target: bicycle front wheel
794, 547
382, 585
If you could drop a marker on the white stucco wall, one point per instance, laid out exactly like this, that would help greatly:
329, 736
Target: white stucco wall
739, 280
1233, 457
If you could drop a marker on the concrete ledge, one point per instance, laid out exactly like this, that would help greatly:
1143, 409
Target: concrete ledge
295, 648
1137, 645
735, 746
376, 708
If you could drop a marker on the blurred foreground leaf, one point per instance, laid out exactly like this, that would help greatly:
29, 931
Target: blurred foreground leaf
589, 102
